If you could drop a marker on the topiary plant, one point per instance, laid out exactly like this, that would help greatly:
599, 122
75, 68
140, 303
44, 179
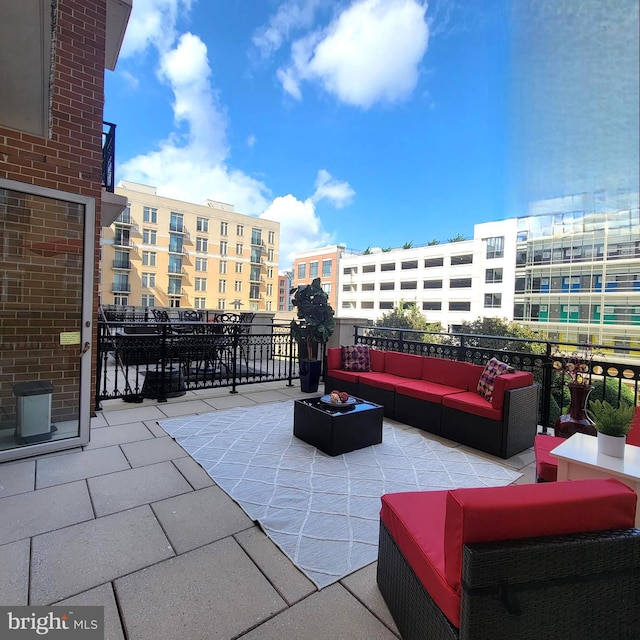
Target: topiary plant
610, 420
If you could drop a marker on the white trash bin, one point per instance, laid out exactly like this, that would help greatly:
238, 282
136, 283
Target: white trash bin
33, 411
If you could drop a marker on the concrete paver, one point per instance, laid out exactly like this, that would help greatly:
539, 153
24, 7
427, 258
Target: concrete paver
14, 576
115, 492
71, 560
214, 592
17, 477
200, 517
119, 434
152, 451
195, 475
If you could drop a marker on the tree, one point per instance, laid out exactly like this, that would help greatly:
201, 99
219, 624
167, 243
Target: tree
458, 238
407, 245
407, 316
367, 251
504, 329
433, 243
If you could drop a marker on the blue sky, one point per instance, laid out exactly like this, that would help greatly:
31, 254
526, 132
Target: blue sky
365, 122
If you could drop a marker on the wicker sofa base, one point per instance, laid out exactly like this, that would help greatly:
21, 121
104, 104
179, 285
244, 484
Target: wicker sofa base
583, 586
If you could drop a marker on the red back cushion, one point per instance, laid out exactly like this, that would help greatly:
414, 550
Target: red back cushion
334, 358
376, 360
406, 365
448, 372
529, 510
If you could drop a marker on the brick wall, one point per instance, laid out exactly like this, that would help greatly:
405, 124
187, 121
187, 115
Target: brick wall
41, 296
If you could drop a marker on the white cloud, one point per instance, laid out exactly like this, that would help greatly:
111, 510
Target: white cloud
251, 141
152, 23
291, 15
300, 226
370, 53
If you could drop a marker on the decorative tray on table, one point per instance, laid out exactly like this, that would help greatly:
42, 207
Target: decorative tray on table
348, 404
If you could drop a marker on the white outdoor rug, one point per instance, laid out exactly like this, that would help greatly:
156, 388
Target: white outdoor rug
323, 512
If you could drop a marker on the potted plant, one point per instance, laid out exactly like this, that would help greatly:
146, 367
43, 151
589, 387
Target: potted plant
313, 326
612, 424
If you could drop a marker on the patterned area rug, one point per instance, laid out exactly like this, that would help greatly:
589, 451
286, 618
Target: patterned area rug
323, 512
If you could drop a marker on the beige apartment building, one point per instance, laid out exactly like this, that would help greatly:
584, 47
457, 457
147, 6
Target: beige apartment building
162, 252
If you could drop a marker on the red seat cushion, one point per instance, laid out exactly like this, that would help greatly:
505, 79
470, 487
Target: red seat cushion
471, 402
405, 365
425, 390
546, 466
347, 376
385, 381
415, 520
530, 510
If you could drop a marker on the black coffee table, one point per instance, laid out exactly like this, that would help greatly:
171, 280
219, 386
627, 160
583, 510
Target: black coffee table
337, 430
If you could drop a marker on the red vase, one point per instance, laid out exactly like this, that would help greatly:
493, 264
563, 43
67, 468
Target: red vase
576, 419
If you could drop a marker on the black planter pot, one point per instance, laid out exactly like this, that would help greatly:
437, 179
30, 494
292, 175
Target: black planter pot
310, 375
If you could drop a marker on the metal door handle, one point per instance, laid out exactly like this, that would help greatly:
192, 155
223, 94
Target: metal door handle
86, 348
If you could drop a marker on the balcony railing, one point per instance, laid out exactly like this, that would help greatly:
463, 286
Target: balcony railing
120, 288
122, 264
108, 156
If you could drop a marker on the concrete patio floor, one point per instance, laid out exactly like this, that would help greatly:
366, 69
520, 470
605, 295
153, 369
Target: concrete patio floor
132, 523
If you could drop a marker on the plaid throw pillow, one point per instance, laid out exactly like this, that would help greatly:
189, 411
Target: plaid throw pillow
355, 358
492, 370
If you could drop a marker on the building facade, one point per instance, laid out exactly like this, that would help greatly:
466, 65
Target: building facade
320, 263
285, 282
163, 252
53, 198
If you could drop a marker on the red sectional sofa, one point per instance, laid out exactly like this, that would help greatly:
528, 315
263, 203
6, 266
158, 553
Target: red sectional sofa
531, 561
440, 396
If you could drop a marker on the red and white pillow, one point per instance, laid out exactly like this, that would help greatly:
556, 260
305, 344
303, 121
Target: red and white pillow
355, 358
492, 370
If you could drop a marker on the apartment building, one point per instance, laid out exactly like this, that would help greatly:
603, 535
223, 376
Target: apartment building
570, 271
320, 263
285, 282
54, 192
163, 252
450, 283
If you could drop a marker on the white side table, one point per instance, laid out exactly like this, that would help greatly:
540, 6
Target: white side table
578, 458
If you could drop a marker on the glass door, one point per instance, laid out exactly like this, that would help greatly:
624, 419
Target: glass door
46, 301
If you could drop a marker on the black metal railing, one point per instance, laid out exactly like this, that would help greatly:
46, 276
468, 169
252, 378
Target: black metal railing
615, 377
108, 156
150, 359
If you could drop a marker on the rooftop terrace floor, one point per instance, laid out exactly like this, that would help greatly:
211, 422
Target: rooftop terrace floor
132, 523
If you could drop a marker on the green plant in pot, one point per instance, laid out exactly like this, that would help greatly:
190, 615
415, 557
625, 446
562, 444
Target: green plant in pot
612, 424
313, 326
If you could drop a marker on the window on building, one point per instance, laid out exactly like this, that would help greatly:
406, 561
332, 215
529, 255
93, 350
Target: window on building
175, 286
460, 283
223, 248
434, 305
222, 266
388, 266
493, 275
149, 258
150, 214
368, 286
313, 269
270, 255
239, 248
256, 236
432, 284
121, 300
459, 306
366, 304
174, 303
349, 287
200, 303
121, 259
255, 273
238, 285
222, 286
368, 268
272, 237
270, 272
410, 284
238, 267
350, 271
495, 247
222, 303
387, 286
327, 266
175, 243
175, 263
269, 305
326, 287
202, 244
202, 225
385, 305
269, 289
302, 270
121, 237
254, 291
466, 258
239, 230
201, 264
409, 264
348, 304
224, 229
121, 282
149, 236
200, 284
492, 300
433, 262
148, 300
176, 222
148, 280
